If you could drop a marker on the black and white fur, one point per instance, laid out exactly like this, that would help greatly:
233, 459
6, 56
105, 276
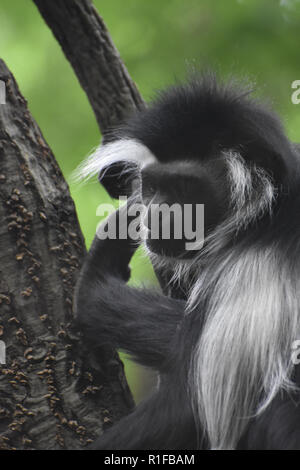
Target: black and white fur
222, 343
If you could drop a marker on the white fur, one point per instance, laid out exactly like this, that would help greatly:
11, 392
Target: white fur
128, 150
251, 309
243, 356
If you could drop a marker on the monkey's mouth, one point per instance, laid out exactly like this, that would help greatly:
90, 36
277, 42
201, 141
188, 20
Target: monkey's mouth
170, 248
171, 233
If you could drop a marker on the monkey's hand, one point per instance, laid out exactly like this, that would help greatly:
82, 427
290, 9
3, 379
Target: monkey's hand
114, 244
116, 240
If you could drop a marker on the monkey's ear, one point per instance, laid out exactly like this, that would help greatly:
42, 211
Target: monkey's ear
119, 178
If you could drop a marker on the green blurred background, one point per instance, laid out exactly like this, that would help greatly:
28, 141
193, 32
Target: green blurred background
158, 40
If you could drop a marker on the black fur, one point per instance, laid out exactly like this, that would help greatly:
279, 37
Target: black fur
195, 123
199, 119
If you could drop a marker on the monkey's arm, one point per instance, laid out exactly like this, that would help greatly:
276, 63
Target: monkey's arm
138, 321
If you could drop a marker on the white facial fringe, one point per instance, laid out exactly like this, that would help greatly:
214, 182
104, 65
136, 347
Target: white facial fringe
127, 150
243, 357
252, 195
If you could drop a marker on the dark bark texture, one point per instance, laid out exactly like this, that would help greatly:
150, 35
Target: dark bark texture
53, 394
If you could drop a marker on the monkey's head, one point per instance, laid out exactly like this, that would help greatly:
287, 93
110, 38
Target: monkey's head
199, 146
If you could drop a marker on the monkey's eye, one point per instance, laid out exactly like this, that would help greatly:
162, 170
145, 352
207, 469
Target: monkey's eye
151, 188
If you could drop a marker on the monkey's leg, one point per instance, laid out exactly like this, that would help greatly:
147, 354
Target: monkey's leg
277, 427
163, 421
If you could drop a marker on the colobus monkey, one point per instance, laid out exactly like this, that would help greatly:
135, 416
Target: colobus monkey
222, 343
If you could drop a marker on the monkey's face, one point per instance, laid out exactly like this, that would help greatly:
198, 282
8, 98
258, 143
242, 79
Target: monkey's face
183, 201
205, 148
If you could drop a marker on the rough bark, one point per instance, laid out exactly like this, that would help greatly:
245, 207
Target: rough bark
87, 44
52, 393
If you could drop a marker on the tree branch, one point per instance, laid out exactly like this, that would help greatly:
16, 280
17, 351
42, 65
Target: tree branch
84, 38
52, 394
87, 44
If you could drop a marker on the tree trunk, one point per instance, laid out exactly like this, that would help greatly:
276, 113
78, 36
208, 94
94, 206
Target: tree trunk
52, 393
